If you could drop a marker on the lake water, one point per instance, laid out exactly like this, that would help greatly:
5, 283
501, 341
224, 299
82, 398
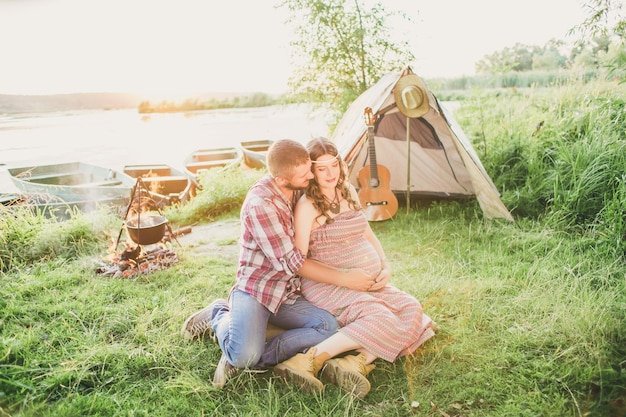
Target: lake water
115, 138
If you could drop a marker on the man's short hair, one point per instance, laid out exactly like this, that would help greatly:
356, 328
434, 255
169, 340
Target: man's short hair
284, 155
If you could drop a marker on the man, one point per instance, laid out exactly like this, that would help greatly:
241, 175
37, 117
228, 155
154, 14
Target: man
267, 284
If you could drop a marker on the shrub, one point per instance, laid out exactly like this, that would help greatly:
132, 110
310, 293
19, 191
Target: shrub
221, 191
27, 237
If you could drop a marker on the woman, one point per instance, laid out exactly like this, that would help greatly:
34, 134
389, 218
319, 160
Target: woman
381, 323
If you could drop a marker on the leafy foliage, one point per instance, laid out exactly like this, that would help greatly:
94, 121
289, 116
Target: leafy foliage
221, 192
27, 237
601, 45
339, 47
247, 101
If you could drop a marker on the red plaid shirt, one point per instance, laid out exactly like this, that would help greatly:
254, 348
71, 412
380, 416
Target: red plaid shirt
269, 259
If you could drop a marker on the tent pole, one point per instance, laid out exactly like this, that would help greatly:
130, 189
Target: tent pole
408, 168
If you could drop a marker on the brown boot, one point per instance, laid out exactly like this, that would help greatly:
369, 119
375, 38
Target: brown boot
302, 370
349, 373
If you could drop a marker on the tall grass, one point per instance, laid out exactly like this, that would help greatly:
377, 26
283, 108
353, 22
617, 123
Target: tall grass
557, 154
27, 237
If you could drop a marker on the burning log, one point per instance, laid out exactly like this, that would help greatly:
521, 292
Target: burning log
134, 262
130, 253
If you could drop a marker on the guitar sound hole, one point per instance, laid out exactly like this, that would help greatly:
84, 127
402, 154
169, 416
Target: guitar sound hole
374, 182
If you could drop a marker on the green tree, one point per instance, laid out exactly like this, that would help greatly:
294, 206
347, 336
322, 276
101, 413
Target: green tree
341, 48
584, 59
518, 58
549, 57
606, 22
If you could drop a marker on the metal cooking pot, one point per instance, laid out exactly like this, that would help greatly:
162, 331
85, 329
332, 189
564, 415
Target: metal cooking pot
151, 229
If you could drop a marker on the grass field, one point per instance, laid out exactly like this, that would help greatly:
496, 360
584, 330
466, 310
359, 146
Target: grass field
531, 313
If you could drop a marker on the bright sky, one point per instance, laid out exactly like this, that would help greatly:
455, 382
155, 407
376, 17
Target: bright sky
185, 46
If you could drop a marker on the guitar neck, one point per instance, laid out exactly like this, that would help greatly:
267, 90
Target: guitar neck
372, 153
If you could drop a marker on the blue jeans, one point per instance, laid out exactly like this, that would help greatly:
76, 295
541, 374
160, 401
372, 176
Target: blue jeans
240, 330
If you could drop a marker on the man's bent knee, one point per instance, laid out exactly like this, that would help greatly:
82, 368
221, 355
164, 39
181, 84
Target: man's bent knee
246, 358
328, 324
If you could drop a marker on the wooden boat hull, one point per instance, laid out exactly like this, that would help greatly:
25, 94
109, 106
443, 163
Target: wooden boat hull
204, 159
254, 153
165, 184
72, 181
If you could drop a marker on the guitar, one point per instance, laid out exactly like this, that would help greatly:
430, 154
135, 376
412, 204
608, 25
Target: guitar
377, 199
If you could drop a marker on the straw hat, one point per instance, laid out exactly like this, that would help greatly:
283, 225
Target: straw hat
411, 97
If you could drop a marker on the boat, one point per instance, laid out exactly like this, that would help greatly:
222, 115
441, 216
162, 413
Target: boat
205, 159
166, 185
70, 184
253, 153
72, 181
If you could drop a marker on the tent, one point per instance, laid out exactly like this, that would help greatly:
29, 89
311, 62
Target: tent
438, 160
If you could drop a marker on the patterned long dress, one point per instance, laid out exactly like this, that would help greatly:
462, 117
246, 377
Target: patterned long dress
388, 323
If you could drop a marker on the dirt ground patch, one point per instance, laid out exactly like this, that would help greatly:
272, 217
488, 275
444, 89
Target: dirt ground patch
220, 238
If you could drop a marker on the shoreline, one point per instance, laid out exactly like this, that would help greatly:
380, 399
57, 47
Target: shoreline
115, 138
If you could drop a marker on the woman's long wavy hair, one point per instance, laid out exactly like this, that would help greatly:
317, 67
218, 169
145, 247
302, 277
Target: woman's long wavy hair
318, 147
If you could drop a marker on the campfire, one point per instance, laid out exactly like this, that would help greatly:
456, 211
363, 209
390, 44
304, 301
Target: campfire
135, 260
148, 245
